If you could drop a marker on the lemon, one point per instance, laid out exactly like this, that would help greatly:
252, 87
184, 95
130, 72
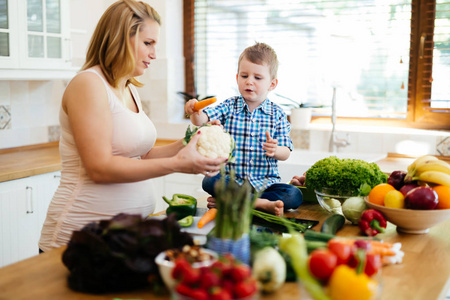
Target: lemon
394, 199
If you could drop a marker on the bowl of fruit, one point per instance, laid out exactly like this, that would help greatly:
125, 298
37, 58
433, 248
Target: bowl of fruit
226, 278
196, 256
412, 201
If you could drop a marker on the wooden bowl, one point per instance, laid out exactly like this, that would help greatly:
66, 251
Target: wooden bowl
412, 220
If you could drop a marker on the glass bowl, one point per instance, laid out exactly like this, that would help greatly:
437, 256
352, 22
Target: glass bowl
329, 202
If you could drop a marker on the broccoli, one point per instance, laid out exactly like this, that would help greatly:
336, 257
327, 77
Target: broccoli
344, 176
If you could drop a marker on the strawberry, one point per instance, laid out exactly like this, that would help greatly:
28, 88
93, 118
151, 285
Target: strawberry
181, 265
219, 293
240, 272
245, 288
209, 279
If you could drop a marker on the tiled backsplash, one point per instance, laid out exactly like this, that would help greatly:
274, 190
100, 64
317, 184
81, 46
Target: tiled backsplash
404, 141
29, 115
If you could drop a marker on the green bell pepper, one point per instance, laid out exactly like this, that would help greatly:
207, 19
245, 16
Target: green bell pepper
181, 205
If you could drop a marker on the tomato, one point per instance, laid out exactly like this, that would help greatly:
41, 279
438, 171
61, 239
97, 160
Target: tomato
343, 251
373, 264
322, 263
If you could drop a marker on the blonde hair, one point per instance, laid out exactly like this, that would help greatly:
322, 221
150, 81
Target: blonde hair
110, 46
261, 53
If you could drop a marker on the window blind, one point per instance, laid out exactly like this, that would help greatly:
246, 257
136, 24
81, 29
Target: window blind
361, 48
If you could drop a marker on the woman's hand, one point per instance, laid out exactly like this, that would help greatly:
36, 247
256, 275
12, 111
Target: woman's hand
191, 161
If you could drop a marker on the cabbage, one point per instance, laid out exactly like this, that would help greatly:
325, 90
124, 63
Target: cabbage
352, 208
119, 254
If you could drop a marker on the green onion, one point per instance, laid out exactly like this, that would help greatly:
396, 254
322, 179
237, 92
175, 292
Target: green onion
279, 220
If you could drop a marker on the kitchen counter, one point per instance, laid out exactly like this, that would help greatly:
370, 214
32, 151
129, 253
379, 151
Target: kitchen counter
20, 162
424, 273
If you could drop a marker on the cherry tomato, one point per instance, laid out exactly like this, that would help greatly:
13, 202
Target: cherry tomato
322, 263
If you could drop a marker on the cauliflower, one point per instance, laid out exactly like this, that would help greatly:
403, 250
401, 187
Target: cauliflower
213, 142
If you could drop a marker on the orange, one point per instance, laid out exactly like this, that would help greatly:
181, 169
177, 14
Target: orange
443, 192
378, 193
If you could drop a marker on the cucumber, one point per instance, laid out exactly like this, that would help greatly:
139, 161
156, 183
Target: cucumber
332, 224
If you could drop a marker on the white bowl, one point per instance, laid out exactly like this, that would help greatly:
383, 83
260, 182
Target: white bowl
411, 220
165, 266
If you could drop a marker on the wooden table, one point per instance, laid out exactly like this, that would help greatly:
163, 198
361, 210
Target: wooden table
423, 275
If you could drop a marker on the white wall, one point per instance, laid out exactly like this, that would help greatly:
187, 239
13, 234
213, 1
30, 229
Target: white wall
32, 106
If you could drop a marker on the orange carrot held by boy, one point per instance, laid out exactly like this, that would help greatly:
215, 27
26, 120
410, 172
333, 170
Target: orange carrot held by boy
207, 217
204, 103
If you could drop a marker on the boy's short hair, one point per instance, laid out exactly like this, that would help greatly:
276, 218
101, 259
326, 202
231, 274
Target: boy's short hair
261, 53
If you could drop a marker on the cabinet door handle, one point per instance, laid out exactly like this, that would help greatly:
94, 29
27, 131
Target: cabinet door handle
29, 200
56, 176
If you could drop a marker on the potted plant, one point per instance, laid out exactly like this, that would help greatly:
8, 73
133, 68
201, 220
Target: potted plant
301, 113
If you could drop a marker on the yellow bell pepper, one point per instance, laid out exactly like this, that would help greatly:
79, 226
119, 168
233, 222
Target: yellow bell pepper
345, 284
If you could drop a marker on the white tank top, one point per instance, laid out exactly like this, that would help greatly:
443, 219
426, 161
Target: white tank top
78, 200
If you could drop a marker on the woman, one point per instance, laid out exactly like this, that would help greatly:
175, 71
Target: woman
107, 140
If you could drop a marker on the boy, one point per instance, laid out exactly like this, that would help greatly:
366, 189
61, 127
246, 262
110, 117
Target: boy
259, 128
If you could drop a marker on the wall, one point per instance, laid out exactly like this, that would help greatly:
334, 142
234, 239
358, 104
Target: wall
29, 109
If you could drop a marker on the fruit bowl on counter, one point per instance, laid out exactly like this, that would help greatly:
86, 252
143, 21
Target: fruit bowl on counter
412, 220
200, 257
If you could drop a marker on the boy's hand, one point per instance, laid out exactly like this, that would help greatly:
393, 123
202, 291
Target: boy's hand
189, 107
270, 145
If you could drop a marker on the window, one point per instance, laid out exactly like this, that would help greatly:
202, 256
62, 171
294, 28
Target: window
389, 61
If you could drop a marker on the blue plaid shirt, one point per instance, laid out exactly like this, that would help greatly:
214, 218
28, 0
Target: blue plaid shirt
248, 130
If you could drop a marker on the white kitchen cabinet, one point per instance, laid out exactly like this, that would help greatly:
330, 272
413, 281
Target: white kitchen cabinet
23, 207
34, 36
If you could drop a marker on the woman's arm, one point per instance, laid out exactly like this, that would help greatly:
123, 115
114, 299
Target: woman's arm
165, 151
86, 103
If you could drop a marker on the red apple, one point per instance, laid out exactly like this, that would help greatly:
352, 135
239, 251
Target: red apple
421, 198
407, 187
397, 179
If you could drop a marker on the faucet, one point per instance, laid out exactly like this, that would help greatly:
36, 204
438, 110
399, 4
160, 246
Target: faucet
335, 143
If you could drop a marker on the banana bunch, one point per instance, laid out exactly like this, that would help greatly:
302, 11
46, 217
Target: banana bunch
430, 169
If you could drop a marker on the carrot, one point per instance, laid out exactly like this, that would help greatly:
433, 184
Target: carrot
381, 248
207, 217
204, 103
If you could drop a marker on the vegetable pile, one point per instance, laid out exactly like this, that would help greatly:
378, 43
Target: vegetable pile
344, 176
119, 254
213, 142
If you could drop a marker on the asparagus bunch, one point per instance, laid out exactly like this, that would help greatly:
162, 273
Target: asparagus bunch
234, 204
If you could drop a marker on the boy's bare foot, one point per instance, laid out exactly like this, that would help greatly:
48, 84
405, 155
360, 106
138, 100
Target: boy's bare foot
273, 207
211, 202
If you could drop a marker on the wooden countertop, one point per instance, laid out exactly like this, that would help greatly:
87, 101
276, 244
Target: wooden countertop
20, 162
424, 273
